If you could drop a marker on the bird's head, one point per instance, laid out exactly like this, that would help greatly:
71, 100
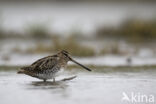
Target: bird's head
66, 56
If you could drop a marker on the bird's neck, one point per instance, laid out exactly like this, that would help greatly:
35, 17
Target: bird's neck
63, 62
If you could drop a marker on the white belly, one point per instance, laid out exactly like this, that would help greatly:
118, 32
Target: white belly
49, 75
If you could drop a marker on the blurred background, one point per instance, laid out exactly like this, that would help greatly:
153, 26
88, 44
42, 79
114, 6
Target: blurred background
115, 38
103, 29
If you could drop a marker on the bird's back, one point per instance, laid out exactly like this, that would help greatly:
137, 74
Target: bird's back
45, 66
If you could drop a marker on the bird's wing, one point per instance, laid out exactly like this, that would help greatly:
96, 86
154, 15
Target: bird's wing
45, 63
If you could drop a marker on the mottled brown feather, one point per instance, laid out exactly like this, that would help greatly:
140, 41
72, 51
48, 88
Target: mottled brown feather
45, 63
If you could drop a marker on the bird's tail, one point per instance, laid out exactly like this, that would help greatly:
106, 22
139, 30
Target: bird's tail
23, 70
20, 71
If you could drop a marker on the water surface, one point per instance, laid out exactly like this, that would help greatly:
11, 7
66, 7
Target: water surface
92, 88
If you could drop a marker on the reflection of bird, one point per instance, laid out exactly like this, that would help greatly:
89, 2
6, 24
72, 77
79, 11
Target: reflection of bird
47, 67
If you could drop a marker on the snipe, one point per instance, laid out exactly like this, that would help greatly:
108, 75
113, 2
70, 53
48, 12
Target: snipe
47, 67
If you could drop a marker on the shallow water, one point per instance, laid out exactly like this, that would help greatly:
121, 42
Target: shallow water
92, 88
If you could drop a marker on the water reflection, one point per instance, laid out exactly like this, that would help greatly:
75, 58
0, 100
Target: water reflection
91, 88
48, 85
52, 85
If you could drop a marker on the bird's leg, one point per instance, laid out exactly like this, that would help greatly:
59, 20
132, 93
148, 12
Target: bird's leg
44, 80
53, 79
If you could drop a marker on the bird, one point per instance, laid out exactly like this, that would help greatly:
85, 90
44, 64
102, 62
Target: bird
48, 67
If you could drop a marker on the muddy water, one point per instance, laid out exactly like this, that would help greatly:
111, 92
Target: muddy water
91, 88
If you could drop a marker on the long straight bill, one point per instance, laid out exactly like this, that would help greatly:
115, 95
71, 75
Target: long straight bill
80, 65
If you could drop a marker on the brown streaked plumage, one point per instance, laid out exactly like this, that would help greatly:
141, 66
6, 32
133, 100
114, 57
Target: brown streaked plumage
47, 67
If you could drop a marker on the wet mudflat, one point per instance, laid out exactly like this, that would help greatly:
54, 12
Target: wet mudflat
91, 88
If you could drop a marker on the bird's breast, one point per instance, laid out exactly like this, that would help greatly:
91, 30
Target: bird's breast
48, 74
